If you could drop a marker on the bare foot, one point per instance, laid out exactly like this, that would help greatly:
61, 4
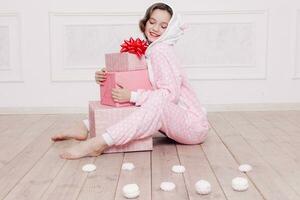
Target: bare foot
77, 132
91, 147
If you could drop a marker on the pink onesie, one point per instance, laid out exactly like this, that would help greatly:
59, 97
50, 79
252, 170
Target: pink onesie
172, 106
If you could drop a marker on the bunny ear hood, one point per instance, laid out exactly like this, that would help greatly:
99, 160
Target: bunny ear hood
173, 33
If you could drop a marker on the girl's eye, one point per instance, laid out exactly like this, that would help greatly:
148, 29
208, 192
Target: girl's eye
151, 21
163, 27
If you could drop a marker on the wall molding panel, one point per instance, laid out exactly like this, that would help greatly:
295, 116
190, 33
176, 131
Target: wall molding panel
225, 45
297, 46
79, 41
10, 48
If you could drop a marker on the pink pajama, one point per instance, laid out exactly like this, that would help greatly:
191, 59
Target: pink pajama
158, 114
171, 107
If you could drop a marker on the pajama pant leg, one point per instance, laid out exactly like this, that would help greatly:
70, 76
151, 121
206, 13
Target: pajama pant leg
184, 126
155, 114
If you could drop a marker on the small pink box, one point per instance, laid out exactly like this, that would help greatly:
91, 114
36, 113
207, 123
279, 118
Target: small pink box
101, 117
120, 62
131, 80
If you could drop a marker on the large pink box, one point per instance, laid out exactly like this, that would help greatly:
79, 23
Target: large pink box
101, 117
119, 62
131, 80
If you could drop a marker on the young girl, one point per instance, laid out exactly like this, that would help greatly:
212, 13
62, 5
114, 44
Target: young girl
171, 107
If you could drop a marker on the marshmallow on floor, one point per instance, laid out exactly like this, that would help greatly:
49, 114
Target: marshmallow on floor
239, 184
128, 166
131, 191
89, 168
245, 168
203, 187
167, 186
178, 168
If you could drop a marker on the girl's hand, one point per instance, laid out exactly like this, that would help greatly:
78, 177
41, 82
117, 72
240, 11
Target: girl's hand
100, 76
121, 95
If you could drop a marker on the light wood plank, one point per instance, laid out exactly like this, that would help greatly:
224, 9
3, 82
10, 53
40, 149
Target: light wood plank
268, 150
102, 183
269, 183
16, 169
164, 156
17, 128
7, 121
141, 175
285, 123
293, 117
278, 136
269, 141
8, 136
226, 168
38, 179
198, 167
69, 181
281, 122
7, 153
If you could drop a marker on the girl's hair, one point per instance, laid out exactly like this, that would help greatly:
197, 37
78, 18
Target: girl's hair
149, 12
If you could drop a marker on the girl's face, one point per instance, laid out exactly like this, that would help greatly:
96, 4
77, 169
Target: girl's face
157, 24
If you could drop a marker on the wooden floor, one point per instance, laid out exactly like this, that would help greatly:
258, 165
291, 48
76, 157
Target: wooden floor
270, 141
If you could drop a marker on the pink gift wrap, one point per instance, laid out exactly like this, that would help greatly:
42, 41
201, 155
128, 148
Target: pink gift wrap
120, 62
101, 117
131, 80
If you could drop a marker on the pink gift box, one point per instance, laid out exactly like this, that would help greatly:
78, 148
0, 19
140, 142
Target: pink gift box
119, 62
131, 80
101, 117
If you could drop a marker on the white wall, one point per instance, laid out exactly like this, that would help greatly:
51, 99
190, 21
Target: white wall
235, 52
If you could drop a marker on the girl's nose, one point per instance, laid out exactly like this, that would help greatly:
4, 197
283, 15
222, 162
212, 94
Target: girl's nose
156, 28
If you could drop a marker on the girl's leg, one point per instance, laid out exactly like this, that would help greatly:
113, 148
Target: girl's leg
143, 122
91, 147
178, 124
184, 126
78, 132
155, 114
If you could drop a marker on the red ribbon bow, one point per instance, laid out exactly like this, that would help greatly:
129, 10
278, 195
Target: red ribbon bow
137, 46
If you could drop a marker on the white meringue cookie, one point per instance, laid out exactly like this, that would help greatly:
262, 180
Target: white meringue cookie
167, 186
203, 187
131, 191
245, 168
178, 168
88, 167
128, 166
239, 184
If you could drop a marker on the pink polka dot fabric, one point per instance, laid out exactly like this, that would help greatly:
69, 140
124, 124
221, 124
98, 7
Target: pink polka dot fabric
172, 106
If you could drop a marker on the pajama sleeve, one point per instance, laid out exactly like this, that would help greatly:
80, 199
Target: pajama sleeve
168, 85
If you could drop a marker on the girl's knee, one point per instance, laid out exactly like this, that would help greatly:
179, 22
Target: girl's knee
197, 137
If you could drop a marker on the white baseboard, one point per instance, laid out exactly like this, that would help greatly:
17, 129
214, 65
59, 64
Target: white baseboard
43, 110
209, 108
253, 107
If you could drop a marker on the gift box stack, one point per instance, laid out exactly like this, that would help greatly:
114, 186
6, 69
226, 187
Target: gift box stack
127, 69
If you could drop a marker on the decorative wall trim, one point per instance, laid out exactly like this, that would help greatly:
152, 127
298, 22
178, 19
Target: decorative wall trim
209, 107
61, 26
11, 70
297, 45
235, 70
196, 71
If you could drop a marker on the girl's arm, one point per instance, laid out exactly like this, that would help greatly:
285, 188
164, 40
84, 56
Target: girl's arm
168, 85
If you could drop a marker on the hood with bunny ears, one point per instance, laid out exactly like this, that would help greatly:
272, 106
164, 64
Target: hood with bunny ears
172, 34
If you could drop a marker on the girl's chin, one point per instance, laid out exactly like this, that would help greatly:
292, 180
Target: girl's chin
151, 39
